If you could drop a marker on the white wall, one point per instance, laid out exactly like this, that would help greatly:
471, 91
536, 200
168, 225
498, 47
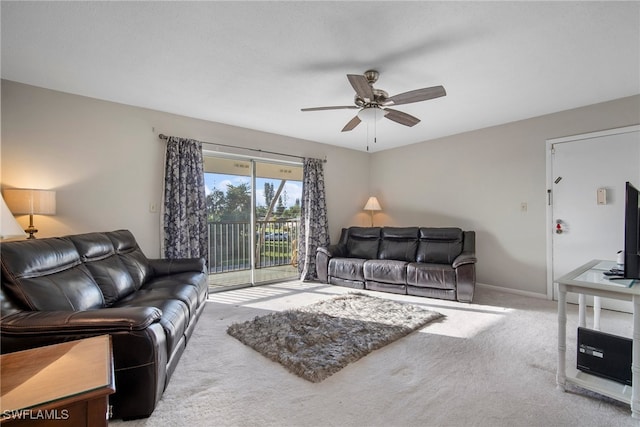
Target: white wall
478, 180
106, 162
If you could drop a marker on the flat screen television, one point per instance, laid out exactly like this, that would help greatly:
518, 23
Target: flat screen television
631, 233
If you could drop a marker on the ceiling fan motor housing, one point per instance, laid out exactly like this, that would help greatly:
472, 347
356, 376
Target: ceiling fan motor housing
371, 76
379, 98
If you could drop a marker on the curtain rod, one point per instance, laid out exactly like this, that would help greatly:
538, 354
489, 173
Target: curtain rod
163, 136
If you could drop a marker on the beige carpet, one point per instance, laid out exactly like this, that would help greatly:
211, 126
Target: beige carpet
490, 363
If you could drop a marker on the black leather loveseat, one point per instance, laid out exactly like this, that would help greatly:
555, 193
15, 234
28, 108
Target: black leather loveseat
62, 289
425, 261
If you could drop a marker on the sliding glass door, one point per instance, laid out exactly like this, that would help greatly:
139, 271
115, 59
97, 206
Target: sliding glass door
253, 215
228, 189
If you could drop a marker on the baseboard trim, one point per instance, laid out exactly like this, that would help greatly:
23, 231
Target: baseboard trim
512, 291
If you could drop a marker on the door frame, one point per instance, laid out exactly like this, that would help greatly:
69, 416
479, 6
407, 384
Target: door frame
549, 184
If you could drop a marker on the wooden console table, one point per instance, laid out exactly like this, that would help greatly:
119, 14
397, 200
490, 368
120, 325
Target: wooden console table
64, 384
589, 279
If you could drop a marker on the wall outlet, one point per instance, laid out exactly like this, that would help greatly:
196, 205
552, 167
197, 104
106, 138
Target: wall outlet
153, 207
523, 207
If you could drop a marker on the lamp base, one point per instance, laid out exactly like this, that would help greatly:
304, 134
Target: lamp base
31, 230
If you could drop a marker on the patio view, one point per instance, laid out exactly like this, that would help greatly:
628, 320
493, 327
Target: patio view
251, 246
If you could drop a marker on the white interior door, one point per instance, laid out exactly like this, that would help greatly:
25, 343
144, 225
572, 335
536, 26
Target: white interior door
584, 226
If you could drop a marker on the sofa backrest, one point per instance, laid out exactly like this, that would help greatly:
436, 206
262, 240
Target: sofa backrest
399, 243
362, 242
47, 275
126, 247
439, 245
99, 256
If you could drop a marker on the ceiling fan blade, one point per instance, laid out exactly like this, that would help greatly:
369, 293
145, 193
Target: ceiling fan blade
417, 95
352, 123
361, 86
402, 118
337, 107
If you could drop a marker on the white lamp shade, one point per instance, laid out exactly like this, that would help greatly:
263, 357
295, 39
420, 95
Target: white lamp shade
30, 201
9, 227
372, 205
371, 114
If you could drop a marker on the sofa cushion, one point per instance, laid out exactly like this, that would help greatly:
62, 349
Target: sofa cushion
364, 232
132, 257
196, 280
424, 275
399, 243
363, 242
402, 233
174, 288
98, 254
361, 248
48, 275
347, 268
386, 270
439, 245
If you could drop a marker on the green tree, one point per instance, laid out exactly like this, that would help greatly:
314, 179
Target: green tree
215, 203
261, 211
268, 193
238, 203
294, 211
280, 207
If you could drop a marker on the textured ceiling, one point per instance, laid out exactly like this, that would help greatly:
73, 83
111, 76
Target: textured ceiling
255, 64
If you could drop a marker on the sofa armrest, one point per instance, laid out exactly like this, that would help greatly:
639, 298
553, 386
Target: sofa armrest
337, 250
164, 267
464, 258
466, 282
323, 256
468, 255
105, 320
465, 267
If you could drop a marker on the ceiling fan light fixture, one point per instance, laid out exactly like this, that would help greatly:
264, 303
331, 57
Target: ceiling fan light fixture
371, 114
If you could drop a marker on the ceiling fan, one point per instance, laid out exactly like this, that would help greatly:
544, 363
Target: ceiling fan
373, 103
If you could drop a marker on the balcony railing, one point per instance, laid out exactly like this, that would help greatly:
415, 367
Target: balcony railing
230, 244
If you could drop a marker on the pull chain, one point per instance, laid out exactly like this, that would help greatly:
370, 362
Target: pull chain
368, 137
375, 129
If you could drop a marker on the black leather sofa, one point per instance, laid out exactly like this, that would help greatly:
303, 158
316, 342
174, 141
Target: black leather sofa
423, 261
62, 289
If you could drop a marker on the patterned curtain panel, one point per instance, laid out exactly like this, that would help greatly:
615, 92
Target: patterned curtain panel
185, 220
314, 229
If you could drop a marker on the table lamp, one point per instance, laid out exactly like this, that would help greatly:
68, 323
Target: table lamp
371, 206
9, 227
32, 202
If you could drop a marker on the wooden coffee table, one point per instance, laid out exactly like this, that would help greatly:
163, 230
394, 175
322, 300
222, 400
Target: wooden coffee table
63, 384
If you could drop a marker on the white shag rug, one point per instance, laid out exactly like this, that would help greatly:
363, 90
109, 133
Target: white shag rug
318, 340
